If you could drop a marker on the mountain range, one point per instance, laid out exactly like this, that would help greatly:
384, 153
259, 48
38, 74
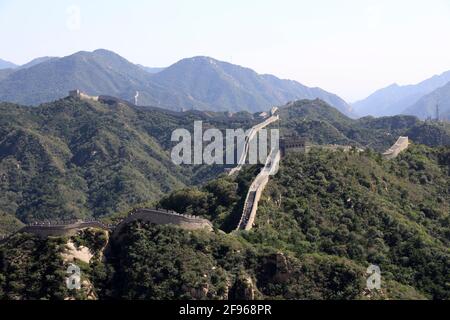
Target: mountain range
104, 157
325, 215
6, 64
426, 107
419, 99
200, 83
100, 156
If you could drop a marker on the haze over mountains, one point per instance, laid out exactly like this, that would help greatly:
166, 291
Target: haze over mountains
6, 64
425, 107
200, 83
419, 100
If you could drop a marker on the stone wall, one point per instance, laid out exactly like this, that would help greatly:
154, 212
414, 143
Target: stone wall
81, 95
151, 215
45, 231
399, 146
186, 222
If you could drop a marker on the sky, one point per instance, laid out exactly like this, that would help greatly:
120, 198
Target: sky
348, 47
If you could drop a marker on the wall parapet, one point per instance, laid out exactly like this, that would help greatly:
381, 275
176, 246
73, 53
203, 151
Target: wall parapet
156, 216
400, 145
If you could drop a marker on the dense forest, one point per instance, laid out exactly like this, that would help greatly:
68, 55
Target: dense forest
320, 124
322, 220
358, 206
76, 159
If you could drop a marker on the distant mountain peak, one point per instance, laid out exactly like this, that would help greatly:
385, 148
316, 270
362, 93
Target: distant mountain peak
36, 61
394, 99
7, 65
200, 82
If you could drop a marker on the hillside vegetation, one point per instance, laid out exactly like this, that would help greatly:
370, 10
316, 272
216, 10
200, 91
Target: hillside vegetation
320, 124
356, 207
322, 220
360, 207
75, 159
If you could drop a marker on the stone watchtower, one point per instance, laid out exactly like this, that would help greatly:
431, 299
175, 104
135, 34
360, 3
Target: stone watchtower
293, 144
78, 94
75, 93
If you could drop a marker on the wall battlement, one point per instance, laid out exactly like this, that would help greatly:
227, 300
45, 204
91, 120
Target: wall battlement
400, 145
81, 95
155, 216
187, 222
59, 230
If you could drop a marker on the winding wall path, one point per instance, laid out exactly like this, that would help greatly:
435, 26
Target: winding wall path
252, 134
399, 146
155, 216
256, 190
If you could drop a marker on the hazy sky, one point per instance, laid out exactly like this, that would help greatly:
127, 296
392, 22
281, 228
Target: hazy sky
350, 47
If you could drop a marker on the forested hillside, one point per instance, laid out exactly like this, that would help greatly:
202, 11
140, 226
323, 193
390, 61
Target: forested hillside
322, 220
321, 124
355, 206
366, 209
76, 159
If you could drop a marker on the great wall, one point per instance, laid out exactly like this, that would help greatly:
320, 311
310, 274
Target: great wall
156, 216
187, 222
252, 133
256, 189
399, 146
190, 222
272, 164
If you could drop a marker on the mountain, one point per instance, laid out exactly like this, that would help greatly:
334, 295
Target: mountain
319, 123
321, 221
425, 107
369, 211
73, 158
211, 84
394, 99
104, 157
199, 83
348, 205
35, 62
4, 73
98, 72
7, 65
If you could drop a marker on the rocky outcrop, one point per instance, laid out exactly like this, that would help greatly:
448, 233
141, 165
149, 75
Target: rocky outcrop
243, 288
276, 268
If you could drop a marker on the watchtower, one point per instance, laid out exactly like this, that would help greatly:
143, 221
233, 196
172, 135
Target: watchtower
293, 144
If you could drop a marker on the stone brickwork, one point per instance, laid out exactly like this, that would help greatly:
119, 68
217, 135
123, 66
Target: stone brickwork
155, 216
